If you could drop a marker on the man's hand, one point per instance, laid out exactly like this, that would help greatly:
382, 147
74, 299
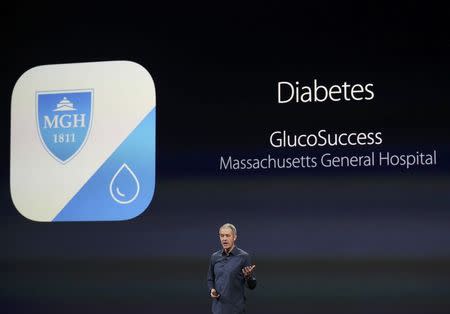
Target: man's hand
214, 294
248, 271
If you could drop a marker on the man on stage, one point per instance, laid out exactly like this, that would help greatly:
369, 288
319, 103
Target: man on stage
229, 271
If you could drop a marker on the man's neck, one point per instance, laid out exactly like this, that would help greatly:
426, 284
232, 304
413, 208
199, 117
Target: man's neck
227, 251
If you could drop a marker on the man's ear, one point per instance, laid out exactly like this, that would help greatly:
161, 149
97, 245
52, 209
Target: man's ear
235, 237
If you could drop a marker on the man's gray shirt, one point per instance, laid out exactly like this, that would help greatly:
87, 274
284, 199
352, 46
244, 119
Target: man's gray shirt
225, 275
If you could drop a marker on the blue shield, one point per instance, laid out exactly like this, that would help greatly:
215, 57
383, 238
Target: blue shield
64, 121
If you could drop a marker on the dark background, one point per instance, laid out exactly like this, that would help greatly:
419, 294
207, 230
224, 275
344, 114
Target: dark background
336, 241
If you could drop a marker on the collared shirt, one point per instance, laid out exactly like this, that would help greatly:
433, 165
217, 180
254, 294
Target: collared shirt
225, 275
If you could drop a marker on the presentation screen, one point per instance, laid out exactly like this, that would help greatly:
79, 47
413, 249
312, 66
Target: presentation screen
223, 159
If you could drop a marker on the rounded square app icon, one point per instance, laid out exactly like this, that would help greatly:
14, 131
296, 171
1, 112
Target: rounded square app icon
83, 141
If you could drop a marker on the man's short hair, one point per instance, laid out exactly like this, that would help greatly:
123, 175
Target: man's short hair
230, 226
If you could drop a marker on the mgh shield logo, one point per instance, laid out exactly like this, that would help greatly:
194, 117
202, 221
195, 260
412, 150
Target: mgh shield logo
64, 120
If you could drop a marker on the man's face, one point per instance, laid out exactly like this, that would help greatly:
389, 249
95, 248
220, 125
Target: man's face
227, 238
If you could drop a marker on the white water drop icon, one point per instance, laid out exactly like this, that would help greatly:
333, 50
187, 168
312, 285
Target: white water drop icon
124, 186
